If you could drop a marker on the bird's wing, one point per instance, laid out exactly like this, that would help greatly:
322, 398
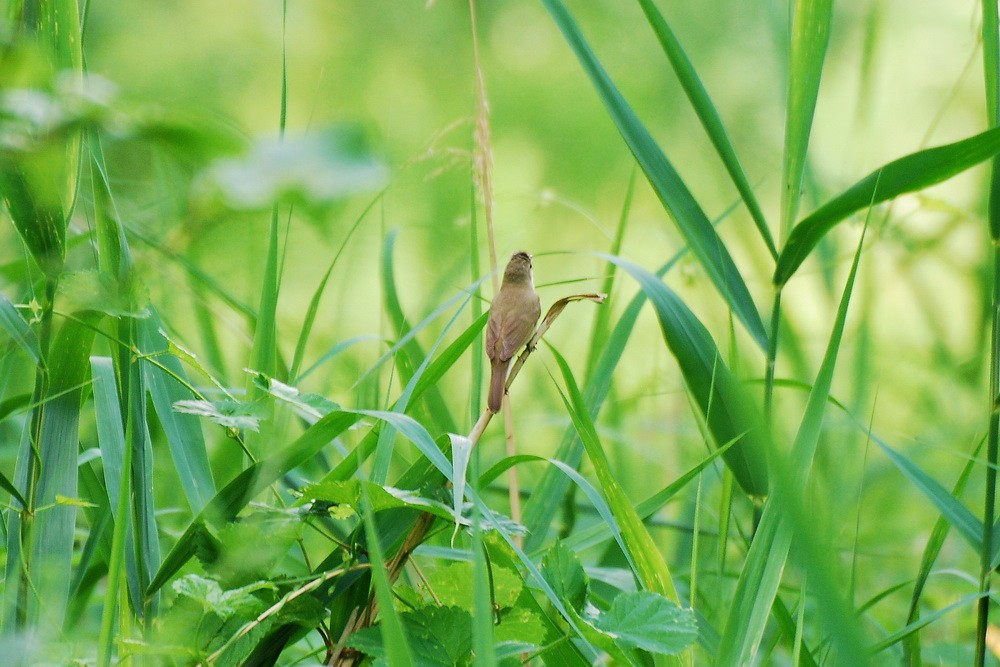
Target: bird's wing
515, 332
493, 328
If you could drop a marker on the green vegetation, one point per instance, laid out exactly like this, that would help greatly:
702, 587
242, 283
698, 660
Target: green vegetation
248, 250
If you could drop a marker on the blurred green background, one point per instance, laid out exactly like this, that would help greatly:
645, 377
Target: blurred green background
899, 76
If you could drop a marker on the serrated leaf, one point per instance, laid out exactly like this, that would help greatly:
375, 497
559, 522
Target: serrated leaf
562, 569
225, 412
450, 585
307, 405
439, 636
649, 622
210, 596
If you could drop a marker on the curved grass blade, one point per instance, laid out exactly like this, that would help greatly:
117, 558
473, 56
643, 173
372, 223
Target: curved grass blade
111, 438
907, 174
709, 116
12, 322
810, 37
183, 431
911, 647
647, 560
758, 583
691, 220
49, 568
307, 324
725, 405
543, 503
397, 647
952, 511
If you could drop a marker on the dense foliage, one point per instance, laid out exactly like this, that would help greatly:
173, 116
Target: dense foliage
241, 384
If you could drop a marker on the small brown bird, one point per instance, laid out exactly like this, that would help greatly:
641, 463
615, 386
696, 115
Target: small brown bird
512, 320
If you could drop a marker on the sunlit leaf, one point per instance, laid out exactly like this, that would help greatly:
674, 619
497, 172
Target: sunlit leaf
312, 172
225, 412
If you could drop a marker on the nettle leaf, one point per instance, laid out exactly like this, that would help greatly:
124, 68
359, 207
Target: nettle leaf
562, 569
251, 548
437, 636
225, 412
517, 625
210, 596
311, 407
450, 585
648, 621
336, 492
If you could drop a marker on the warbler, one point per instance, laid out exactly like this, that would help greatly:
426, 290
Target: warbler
513, 315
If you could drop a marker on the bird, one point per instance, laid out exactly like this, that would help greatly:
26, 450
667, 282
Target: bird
513, 315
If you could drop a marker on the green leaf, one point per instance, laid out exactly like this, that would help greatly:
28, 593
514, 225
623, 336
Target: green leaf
709, 117
46, 564
450, 584
694, 225
441, 637
232, 498
12, 322
725, 405
907, 174
308, 406
310, 172
562, 569
810, 36
394, 638
39, 186
649, 622
225, 412
650, 567
167, 384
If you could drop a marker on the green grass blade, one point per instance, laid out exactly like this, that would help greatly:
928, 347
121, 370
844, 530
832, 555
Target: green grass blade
12, 322
58, 449
394, 639
117, 460
758, 583
907, 174
648, 507
307, 324
543, 503
723, 402
39, 189
602, 318
694, 225
932, 550
923, 622
952, 511
111, 438
183, 431
410, 353
709, 117
137, 435
651, 569
810, 36
232, 498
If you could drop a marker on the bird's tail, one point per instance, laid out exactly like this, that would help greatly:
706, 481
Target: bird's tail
498, 378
